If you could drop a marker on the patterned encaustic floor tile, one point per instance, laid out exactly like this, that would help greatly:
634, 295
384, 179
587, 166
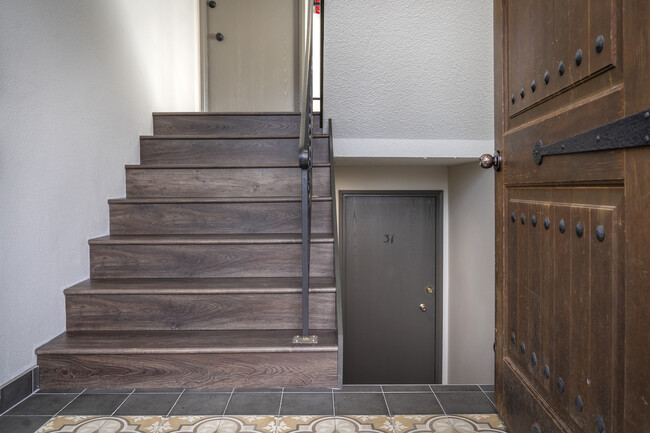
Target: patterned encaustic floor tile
99, 424
489, 423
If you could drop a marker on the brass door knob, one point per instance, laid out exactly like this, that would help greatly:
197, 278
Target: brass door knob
423, 307
486, 160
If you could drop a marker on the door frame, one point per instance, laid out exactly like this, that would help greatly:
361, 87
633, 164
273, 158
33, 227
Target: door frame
202, 52
438, 262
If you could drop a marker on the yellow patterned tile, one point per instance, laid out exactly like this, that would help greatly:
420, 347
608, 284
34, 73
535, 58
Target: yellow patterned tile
477, 423
307, 424
247, 424
364, 424
422, 423
78, 424
192, 423
134, 424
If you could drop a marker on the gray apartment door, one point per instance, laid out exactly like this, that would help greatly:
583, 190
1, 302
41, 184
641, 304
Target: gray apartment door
389, 287
252, 50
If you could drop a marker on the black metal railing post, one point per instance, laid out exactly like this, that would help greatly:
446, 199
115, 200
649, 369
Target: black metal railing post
305, 160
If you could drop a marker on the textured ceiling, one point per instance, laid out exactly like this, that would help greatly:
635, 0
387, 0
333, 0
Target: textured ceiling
409, 69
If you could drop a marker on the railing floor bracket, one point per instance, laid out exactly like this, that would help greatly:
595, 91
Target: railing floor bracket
310, 339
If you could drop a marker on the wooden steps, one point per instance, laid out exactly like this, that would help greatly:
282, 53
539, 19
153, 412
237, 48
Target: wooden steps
207, 256
226, 151
229, 124
197, 304
152, 216
198, 284
186, 359
210, 181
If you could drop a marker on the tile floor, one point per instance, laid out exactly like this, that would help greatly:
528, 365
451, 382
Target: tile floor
355, 408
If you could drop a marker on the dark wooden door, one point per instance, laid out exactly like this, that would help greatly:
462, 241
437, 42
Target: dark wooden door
573, 229
389, 280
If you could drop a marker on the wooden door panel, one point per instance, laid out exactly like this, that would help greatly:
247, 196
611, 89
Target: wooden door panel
563, 297
601, 166
561, 29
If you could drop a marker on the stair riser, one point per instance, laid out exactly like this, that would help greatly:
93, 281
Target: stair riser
225, 125
216, 218
197, 312
211, 182
315, 369
201, 261
227, 152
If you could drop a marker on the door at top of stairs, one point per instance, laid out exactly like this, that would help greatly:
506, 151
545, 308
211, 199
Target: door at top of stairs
251, 55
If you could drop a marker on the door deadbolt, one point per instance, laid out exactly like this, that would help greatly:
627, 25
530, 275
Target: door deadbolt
423, 307
429, 289
220, 37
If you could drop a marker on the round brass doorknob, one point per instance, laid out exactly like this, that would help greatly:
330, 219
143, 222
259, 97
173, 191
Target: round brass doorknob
423, 307
486, 161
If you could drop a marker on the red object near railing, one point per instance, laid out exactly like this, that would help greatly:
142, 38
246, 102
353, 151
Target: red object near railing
317, 6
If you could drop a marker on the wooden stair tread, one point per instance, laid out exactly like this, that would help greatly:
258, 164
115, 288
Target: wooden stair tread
151, 200
202, 286
215, 239
171, 137
226, 113
184, 342
213, 166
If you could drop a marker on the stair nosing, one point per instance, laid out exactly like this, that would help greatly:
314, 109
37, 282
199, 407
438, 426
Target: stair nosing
216, 167
182, 342
186, 351
71, 291
227, 137
254, 239
227, 113
172, 200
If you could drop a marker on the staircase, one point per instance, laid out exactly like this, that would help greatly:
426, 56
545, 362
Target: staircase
199, 283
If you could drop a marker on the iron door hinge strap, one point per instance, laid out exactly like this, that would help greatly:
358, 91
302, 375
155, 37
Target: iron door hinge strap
631, 131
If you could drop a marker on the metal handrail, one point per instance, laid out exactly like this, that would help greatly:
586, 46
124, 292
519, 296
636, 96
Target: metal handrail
305, 160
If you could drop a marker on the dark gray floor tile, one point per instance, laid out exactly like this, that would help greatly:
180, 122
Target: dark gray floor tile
308, 403
406, 388
94, 404
490, 395
22, 424
258, 390
454, 388
487, 387
251, 403
109, 391
413, 404
208, 390
42, 404
358, 403
321, 390
60, 391
360, 388
201, 404
148, 404
465, 402
158, 390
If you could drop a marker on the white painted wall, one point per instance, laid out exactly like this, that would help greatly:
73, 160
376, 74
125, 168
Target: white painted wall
471, 274
411, 82
416, 71
78, 83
